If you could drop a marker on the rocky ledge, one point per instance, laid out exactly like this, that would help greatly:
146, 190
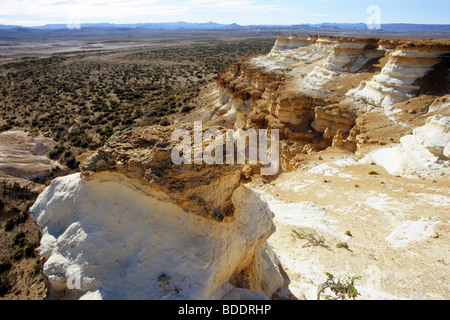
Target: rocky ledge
134, 225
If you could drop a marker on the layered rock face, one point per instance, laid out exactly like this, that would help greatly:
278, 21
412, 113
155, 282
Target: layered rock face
292, 42
133, 225
333, 118
397, 81
313, 88
23, 156
346, 56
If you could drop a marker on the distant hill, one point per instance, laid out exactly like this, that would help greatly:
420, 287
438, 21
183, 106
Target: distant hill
213, 25
112, 29
6, 27
392, 27
404, 27
163, 25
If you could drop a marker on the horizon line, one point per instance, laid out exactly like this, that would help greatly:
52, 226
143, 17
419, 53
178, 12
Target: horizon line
227, 24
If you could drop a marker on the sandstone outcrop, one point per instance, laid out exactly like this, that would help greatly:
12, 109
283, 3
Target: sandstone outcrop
314, 88
424, 153
397, 81
133, 225
333, 117
22, 156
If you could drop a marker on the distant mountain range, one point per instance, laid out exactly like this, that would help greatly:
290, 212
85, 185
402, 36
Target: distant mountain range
95, 29
164, 25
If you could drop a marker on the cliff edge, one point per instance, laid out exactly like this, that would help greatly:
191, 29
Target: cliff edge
133, 225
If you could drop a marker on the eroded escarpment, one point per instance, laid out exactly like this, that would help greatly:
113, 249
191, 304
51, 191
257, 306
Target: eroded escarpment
134, 225
398, 80
317, 90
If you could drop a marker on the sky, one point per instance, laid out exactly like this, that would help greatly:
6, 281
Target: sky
243, 12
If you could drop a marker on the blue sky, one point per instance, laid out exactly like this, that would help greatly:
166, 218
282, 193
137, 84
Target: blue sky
245, 12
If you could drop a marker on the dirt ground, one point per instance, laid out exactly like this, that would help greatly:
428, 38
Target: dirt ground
396, 228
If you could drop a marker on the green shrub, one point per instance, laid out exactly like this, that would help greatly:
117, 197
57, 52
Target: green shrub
13, 221
5, 284
127, 121
341, 288
164, 122
20, 239
312, 239
29, 249
10, 224
5, 264
37, 267
22, 217
342, 245
72, 163
18, 254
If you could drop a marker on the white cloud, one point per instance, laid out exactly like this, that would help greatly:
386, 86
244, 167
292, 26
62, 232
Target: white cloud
120, 10
38, 12
29, 12
233, 5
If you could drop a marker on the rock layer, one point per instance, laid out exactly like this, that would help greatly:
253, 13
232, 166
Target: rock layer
424, 153
133, 225
22, 156
313, 88
397, 81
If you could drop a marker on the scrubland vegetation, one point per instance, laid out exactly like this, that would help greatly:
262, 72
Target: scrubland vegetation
81, 99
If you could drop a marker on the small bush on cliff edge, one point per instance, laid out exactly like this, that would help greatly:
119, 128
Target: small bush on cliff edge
341, 288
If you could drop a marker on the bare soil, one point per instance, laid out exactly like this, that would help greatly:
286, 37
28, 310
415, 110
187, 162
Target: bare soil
370, 204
